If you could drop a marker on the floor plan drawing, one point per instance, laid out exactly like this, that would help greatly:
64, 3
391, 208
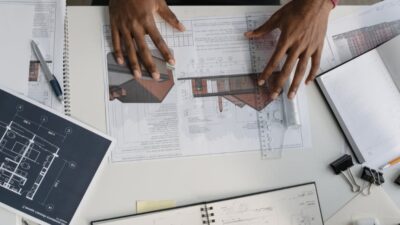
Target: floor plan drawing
26, 156
44, 169
23, 153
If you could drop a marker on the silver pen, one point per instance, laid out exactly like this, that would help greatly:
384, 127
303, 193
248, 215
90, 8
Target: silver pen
46, 71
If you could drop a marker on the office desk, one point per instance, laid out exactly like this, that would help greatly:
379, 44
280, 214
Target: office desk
196, 179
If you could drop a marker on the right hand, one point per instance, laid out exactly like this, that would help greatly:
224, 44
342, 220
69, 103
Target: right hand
131, 20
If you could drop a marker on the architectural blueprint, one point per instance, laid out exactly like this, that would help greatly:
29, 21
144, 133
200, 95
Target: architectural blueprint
211, 108
46, 161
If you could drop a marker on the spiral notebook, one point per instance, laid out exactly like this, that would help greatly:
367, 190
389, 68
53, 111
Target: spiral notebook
286, 206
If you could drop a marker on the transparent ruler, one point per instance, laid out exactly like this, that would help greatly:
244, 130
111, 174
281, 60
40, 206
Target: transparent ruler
271, 124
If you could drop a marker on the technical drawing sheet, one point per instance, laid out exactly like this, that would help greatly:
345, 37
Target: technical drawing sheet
47, 161
353, 35
48, 32
205, 105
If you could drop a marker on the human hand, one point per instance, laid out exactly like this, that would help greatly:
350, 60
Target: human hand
131, 20
303, 25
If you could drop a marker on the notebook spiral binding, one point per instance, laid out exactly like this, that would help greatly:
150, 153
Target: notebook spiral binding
66, 84
207, 215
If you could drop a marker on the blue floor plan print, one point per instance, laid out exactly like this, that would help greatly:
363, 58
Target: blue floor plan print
46, 161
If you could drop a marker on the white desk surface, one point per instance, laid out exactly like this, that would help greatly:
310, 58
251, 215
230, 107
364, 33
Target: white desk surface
196, 179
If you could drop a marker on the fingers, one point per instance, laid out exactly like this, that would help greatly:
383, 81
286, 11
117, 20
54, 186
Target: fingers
117, 93
266, 28
298, 76
116, 40
131, 52
284, 75
160, 43
276, 58
145, 54
316, 60
166, 13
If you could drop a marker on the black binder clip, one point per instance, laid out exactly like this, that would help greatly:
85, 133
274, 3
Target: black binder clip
397, 181
373, 177
343, 165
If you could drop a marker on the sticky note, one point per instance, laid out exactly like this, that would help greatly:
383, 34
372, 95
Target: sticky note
149, 206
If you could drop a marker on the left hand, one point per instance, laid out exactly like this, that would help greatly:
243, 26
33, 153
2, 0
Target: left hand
303, 25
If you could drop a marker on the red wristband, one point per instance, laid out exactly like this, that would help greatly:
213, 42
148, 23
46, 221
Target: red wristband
335, 3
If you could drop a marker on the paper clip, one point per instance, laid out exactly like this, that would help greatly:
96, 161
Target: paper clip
373, 177
343, 165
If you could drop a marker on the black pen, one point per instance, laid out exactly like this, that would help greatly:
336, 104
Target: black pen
46, 70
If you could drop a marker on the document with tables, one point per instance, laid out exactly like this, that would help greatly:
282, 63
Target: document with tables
350, 36
208, 99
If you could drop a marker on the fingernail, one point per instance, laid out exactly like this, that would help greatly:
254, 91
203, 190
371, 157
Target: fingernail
261, 82
274, 95
156, 76
308, 82
292, 95
137, 74
171, 61
120, 61
181, 27
123, 92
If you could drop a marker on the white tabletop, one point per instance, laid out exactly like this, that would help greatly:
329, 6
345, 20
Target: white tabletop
196, 179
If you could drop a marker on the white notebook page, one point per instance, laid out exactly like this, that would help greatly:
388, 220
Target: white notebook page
368, 102
292, 206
